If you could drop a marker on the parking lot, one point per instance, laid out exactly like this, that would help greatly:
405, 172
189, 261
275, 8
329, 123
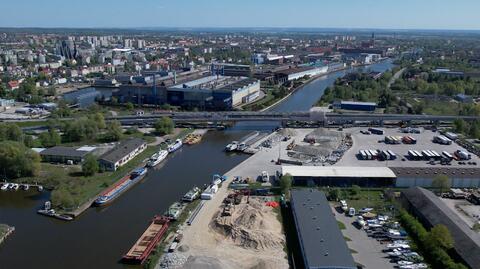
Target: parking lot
375, 142
367, 251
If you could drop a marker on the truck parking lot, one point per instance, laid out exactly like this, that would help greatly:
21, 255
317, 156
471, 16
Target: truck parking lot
424, 141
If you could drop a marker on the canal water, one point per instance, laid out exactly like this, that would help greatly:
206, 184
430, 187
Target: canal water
99, 237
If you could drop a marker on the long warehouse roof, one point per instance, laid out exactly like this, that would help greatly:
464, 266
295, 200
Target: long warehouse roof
338, 171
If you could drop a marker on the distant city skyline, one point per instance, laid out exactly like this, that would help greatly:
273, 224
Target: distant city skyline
378, 14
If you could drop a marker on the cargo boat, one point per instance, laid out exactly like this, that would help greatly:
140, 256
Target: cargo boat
148, 241
157, 158
121, 186
174, 211
175, 146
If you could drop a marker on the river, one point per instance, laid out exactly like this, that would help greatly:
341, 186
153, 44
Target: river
99, 237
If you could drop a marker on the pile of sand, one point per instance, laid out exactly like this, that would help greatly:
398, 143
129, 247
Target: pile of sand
249, 226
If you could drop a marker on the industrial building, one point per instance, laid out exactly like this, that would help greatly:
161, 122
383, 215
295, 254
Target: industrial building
66, 155
214, 92
122, 154
430, 210
235, 70
340, 176
351, 105
299, 72
401, 177
321, 242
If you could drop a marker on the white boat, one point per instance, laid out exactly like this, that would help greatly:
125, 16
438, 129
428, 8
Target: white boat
191, 195
360, 221
242, 147
5, 186
232, 146
26, 187
157, 158
265, 177
16, 187
40, 188
175, 146
395, 245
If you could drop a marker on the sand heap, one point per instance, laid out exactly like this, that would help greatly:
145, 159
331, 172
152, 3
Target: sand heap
250, 226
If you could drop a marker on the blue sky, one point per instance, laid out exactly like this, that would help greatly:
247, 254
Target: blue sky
397, 14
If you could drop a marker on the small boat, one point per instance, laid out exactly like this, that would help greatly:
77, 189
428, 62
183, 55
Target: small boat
242, 147
174, 211
157, 158
175, 146
48, 211
191, 195
344, 205
40, 188
191, 139
16, 187
25, 187
232, 146
5, 186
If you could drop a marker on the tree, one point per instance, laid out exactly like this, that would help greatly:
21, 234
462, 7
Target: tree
440, 236
50, 138
334, 194
10, 131
441, 183
460, 125
114, 131
90, 165
61, 197
16, 160
164, 126
355, 190
286, 183
100, 120
129, 106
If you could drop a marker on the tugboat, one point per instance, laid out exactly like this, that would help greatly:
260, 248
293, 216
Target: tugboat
121, 186
175, 146
157, 158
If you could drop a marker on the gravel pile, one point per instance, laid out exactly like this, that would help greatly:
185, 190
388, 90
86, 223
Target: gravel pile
173, 260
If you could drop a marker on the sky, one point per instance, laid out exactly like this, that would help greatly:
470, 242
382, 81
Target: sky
380, 14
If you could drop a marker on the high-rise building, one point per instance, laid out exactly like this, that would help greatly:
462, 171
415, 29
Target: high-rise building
67, 49
140, 44
128, 43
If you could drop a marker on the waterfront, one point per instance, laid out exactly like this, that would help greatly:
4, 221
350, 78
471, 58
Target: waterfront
99, 237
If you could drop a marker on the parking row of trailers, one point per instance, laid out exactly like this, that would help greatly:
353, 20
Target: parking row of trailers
373, 154
399, 139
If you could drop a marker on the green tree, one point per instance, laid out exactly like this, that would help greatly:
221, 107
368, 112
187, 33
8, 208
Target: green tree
440, 236
164, 126
441, 183
61, 197
10, 131
355, 190
16, 160
50, 138
334, 194
99, 119
460, 125
90, 165
286, 184
28, 141
129, 106
114, 131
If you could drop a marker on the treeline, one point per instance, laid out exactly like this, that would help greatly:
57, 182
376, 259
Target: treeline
434, 244
421, 80
358, 87
470, 129
28, 92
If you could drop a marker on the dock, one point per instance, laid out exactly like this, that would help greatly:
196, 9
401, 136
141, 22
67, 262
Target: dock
148, 241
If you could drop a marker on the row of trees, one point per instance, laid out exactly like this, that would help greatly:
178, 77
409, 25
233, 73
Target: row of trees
471, 129
433, 244
92, 127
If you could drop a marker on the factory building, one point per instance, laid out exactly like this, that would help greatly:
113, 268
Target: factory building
430, 211
358, 106
321, 242
235, 70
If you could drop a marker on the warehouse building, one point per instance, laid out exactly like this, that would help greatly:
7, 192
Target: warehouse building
430, 210
351, 105
423, 177
321, 242
66, 155
122, 154
400, 177
340, 176
299, 72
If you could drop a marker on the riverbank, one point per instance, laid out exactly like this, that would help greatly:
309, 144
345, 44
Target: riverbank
5, 231
208, 242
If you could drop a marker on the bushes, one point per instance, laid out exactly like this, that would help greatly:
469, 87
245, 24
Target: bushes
16, 160
433, 244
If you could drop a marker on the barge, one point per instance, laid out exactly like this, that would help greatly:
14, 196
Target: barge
148, 241
113, 192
